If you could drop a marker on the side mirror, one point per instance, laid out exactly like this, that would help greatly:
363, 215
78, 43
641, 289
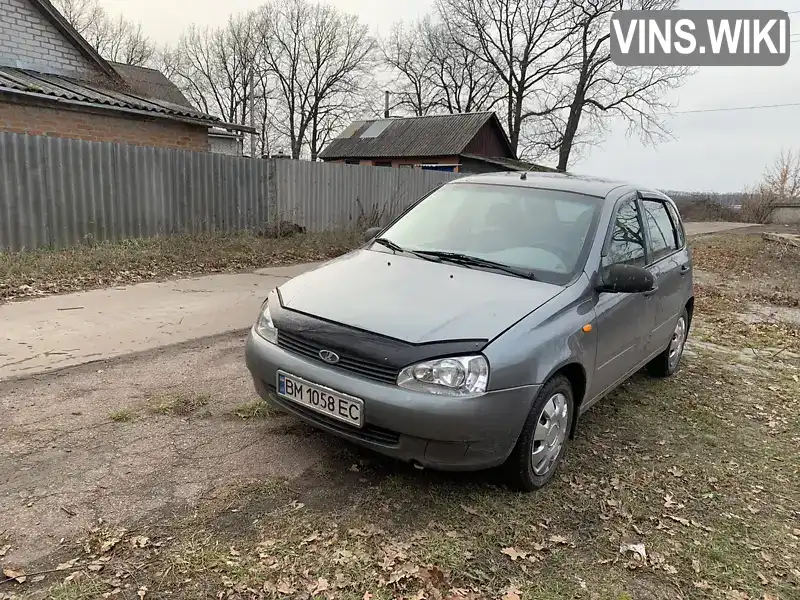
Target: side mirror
370, 233
626, 279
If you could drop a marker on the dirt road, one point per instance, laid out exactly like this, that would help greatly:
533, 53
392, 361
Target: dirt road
141, 436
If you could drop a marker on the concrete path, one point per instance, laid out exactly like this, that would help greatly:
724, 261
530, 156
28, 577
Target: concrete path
51, 333
713, 227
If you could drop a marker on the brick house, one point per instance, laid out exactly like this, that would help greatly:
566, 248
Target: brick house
458, 143
53, 83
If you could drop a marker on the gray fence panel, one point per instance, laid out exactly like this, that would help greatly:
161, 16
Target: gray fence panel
23, 214
60, 192
324, 196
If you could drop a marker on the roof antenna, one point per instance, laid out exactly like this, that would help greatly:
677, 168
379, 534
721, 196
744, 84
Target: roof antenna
524, 176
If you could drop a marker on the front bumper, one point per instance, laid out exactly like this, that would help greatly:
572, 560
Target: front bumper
440, 432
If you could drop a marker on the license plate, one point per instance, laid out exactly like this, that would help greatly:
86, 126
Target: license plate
321, 399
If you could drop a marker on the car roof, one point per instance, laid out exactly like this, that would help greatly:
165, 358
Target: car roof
567, 182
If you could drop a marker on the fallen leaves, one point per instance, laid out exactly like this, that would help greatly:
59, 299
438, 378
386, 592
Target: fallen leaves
514, 554
512, 594
561, 540
17, 575
675, 471
140, 541
637, 550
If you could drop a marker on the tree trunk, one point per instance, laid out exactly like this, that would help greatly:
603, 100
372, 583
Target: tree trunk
573, 121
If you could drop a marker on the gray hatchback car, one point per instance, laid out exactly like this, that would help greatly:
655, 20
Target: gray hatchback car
473, 330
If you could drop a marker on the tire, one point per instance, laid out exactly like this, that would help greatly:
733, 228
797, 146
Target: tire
667, 364
521, 466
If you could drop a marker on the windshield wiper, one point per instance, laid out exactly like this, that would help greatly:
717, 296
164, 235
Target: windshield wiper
474, 261
389, 244
397, 248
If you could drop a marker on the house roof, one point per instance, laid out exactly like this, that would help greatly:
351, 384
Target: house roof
438, 135
151, 83
511, 164
59, 22
57, 88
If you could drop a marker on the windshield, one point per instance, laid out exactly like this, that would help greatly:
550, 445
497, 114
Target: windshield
542, 231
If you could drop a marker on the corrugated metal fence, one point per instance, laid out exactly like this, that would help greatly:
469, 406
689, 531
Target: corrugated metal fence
58, 192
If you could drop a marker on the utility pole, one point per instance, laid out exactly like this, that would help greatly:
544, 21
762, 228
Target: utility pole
386, 106
252, 113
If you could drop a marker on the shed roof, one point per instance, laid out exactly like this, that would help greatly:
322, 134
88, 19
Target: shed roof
151, 83
436, 135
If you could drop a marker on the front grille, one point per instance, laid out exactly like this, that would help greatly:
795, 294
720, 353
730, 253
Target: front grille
347, 362
368, 433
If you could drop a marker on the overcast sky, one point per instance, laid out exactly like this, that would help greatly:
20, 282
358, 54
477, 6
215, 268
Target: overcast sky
719, 151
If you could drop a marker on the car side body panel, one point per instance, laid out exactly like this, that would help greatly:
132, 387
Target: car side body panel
546, 340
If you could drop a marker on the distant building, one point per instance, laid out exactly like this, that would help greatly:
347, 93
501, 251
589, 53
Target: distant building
53, 83
225, 142
457, 143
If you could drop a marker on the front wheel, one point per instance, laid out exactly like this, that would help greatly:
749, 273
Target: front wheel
542, 444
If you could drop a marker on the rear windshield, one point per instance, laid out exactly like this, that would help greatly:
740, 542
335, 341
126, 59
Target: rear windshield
543, 231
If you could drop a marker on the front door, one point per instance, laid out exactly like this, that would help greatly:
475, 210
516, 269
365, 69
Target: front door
669, 262
624, 321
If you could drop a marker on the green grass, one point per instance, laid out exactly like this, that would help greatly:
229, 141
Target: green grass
255, 409
179, 403
123, 415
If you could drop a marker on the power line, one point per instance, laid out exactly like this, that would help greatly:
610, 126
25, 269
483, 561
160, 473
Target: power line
715, 110
732, 108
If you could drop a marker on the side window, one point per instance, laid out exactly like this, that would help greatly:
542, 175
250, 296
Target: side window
663, 238
676, 220
627, 239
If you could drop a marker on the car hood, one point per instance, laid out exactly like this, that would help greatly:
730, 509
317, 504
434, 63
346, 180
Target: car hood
414, 300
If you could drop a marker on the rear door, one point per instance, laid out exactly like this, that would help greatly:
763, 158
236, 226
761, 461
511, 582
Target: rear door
668, 260
624, 321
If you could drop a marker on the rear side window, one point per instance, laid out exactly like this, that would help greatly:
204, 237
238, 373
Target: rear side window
663, 237
676, 220
627, 239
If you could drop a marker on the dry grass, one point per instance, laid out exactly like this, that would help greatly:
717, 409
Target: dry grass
255, 409
123, 415
744, 285
179, 403
41, 272
676, 489
700, 472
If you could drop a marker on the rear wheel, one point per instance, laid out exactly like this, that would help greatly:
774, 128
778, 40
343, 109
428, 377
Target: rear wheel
668, 362
542, 444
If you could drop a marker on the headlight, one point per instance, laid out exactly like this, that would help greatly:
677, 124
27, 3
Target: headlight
264, 326
457, 376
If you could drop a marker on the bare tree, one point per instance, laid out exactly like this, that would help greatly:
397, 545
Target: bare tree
81, 14
213, 68
123, 41
318, 58
599, 87
780, 185
406, 51
118, 40
462, 81
528, 43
